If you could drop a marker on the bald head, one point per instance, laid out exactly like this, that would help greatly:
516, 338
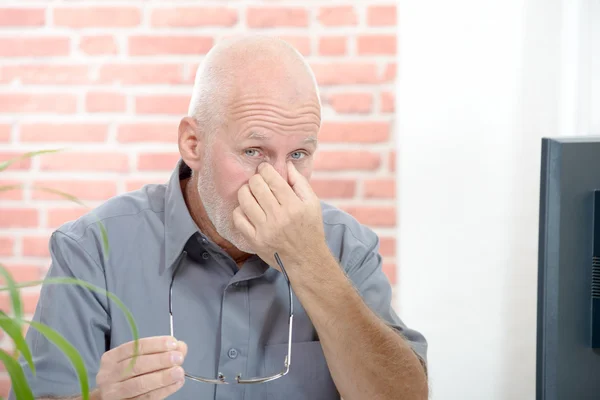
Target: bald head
249, 67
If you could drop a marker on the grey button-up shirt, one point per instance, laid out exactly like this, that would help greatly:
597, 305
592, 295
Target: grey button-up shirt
233, 320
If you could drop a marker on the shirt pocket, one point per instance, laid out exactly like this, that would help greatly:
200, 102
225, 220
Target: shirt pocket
308, 377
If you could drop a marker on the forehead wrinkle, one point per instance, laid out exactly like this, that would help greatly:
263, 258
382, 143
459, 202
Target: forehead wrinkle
256, 135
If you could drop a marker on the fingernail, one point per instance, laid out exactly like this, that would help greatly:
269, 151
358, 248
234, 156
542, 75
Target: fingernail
172, 344
176, 357
177, 373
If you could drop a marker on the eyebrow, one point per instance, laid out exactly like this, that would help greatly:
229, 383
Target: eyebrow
262, 136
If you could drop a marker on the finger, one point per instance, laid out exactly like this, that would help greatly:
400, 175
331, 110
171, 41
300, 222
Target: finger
250, 207
240, 221
142, 384
182, 347
299, 183
143, 365
148, 345
162, 393
280, 188
263, 194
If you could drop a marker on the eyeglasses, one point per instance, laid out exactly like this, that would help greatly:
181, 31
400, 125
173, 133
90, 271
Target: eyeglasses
220, 377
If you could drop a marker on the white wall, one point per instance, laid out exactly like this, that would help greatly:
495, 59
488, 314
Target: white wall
479, 83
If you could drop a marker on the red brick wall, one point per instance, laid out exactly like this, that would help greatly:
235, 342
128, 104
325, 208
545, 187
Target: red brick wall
110, 84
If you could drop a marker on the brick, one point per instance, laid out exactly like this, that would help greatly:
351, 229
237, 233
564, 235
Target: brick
5, 133
38, 102
22, 16
88, 17
389, 74
23, 273
136, 184
376, 44
141, 74
333, 188
19, 217
387, 246
193, 17
162, 104
300, 43
392, 161
144, 45
4, 384
357, 103
374, 216
347, 160
45, 74
268, 17
337, 16
389, 269
98, 45
22, 164
29, 301
147, 132
58, 216
63, 132
381, 16
354, 132
14, 193
7, 245
34, 46
345, 73
333, 46
82, 189
387, 102
105, 102
157, 161
36, 246
83, 161
380, 189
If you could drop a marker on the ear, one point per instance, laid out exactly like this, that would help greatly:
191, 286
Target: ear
191, 142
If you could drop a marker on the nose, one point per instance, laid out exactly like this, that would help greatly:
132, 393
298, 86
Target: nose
281, 168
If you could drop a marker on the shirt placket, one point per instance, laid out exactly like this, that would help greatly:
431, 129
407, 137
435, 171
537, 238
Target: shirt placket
235, 335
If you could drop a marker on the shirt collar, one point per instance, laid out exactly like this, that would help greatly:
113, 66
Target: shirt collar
179, 225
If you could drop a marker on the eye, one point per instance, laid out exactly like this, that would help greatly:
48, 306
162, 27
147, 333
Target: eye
251, 152
298, 155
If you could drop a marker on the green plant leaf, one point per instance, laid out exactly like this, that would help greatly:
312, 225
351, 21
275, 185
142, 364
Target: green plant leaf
70, 351
17, 377
15, 298
60, 193
13, 329
104, 239
7, 163
6, 188
111, 296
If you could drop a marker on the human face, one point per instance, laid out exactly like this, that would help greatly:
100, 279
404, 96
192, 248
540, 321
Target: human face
259, 132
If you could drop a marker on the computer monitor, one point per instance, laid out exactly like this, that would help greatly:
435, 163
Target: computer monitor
568, 312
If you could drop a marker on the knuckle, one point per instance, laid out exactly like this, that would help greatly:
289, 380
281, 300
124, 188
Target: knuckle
142, 384
254, 180
105, 358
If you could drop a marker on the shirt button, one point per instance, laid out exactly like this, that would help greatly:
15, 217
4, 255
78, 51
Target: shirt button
204, 241
205, 255
232, 353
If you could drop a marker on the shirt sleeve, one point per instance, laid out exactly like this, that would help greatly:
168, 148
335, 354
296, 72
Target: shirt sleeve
366, 272
79, 314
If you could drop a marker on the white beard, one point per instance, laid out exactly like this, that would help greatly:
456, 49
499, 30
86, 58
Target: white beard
220, 212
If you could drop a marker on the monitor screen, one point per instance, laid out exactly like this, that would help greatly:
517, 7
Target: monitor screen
568, 349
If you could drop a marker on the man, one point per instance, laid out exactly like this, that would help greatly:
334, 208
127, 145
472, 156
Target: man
203, 247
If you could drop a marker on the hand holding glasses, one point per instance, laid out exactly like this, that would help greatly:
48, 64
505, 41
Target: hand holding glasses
221, 378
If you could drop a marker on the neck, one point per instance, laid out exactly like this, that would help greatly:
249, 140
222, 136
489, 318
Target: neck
198, 213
